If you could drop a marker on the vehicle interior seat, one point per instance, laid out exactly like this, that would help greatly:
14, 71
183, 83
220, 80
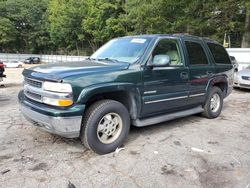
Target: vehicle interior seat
174, 57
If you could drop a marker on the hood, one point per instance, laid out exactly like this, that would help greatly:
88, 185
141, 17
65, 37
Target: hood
244, 72
59, 71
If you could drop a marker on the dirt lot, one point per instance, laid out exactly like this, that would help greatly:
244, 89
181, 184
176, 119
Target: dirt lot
189, 152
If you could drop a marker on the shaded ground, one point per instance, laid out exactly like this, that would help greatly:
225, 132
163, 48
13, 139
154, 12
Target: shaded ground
189, 152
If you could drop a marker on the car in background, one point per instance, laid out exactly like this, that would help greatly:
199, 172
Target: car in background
1, 71
13, 64
235, 63
32, 60
242, 78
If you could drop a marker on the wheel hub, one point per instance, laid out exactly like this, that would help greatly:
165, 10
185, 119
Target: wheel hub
215, 102
109, 128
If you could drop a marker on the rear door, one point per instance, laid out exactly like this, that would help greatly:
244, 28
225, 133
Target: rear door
165, 88
200, 71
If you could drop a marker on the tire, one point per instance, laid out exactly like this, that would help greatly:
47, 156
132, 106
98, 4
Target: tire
101, 119
211, 110
19, 66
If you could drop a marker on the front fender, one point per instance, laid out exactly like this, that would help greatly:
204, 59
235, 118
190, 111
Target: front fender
131, 89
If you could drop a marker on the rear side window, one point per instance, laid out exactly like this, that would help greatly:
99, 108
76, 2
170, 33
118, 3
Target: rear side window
219, 53
196, 54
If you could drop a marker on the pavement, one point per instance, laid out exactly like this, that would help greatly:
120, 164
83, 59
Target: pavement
188, 152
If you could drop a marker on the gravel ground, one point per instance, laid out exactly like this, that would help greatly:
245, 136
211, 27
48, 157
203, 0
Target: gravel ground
188, 152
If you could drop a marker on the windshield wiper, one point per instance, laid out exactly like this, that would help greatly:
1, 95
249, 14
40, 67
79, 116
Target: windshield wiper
108, 59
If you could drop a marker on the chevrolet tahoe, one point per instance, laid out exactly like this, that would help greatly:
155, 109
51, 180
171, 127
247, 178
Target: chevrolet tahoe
134, 80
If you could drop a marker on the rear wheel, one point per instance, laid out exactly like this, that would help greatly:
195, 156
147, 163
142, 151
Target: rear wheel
105, 126
214, 103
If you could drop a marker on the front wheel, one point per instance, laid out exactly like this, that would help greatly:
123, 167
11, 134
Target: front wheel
214, 103
105, 126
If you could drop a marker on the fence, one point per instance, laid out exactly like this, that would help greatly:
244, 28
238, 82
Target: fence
242, 56
44, 58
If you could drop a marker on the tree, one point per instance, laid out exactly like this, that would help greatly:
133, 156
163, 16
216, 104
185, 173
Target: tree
80, 27
102, 21
26, 18
196, 17
246, 36
7, 33
157, 16
65, 17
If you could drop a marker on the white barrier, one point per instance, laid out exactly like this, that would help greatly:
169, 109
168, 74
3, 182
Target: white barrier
242, 55
44, 58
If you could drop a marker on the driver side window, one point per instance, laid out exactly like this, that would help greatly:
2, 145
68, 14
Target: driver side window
169, 47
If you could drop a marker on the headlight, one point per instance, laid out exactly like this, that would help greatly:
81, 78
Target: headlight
57, 87
58, 102
61, 97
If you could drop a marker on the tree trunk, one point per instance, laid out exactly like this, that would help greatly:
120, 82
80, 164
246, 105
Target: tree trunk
77, 49
246, 36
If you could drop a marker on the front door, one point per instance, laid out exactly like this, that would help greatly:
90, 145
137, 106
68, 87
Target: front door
165, 88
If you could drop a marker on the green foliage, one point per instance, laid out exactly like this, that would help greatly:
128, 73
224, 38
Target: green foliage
26, 18
155, 16
65, 18
246, 36
82, 26
7, 31
101, 22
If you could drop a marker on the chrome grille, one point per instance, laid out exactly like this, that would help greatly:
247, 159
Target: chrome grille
33, 96
34, 83
245, 77
32, 89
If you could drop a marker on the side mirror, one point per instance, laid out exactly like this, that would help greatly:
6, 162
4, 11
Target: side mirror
160, 61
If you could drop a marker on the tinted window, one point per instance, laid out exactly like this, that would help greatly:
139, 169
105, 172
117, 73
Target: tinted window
196, 54
219, 53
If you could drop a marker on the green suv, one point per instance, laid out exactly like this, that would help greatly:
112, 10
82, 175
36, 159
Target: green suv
135, 80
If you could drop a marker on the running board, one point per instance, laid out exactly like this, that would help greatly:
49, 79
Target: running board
166, 117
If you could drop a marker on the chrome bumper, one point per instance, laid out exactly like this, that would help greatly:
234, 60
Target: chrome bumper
68, 127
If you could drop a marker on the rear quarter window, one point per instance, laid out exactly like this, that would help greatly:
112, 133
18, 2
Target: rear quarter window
219, 54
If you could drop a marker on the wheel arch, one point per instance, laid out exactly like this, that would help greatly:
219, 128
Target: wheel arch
220, 82
125, 93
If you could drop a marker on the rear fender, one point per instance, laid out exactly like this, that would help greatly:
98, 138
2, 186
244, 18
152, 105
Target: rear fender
218, 80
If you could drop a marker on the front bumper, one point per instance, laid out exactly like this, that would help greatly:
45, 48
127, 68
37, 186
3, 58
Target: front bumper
63, 122
242, 83
245, 86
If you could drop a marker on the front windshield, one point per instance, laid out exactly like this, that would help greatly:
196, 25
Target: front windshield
128, 49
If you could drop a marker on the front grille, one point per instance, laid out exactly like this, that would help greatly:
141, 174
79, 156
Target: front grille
33, 96
32, 89
246, 78
34, 83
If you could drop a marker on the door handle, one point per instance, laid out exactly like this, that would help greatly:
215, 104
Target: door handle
184, 75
